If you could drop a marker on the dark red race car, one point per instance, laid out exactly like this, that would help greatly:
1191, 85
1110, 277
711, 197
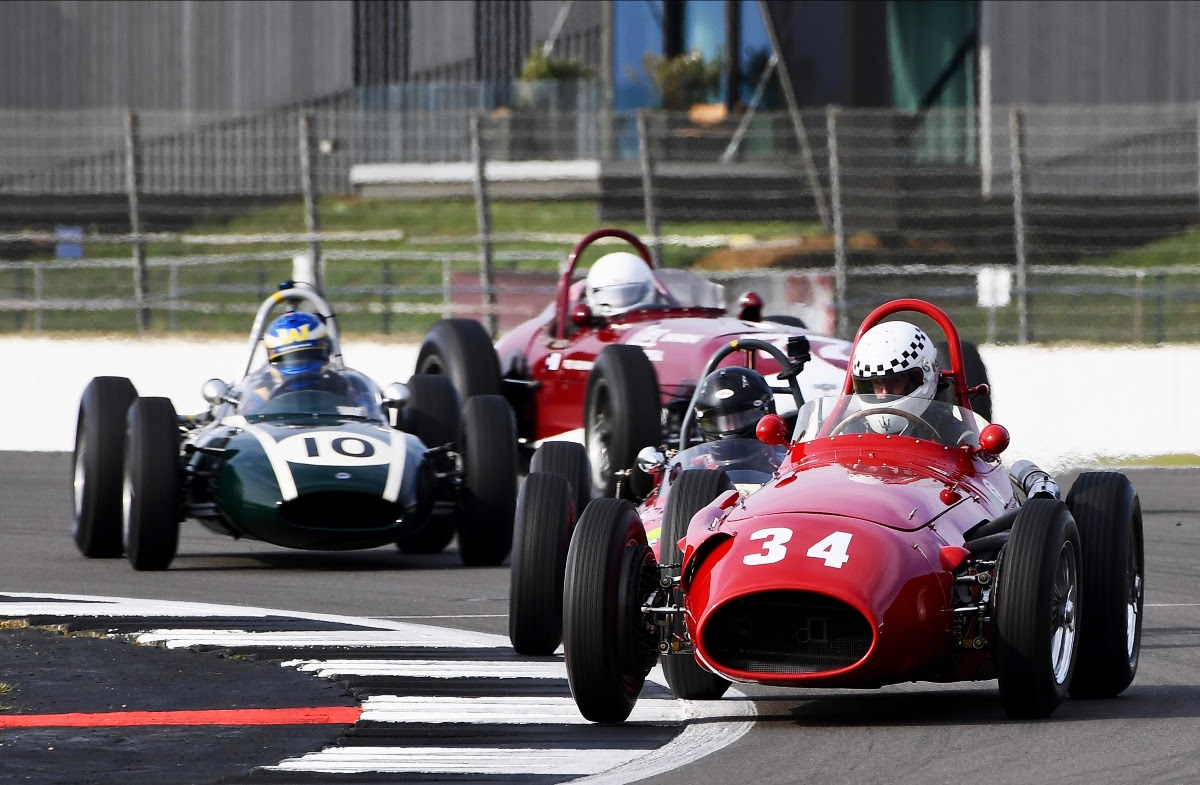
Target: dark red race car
868, 559
547, 504
572, 374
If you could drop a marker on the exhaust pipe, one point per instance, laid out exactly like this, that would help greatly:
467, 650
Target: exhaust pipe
1035, 482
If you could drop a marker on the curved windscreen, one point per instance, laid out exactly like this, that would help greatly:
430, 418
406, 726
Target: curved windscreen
892, 415
331, 392
748, 462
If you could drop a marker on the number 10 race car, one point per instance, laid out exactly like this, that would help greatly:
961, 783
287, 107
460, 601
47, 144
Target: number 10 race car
301, 456
867, 559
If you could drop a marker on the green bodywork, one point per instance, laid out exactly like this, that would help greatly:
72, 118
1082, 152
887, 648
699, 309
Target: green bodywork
339, 468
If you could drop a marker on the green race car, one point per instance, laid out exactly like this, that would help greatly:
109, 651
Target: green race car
302, 453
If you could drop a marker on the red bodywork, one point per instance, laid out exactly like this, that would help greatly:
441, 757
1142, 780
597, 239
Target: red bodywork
558, 355
833, 573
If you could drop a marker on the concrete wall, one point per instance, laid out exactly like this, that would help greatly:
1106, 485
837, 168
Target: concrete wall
1063, 406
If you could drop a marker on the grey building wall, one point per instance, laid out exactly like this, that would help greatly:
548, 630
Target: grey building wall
1057, 52
202, 55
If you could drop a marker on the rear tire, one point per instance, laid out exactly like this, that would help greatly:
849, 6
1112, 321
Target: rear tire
1037, 610
432, 411
786, 318
570, 461
488, 444
541, 536
98, 461
622, 414
151, 497
1109, 515
976, 373
693, 490
462, 350
609, 649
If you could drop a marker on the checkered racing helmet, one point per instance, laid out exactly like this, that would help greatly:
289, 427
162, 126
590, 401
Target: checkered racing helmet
297, 342
895, 365
618, 282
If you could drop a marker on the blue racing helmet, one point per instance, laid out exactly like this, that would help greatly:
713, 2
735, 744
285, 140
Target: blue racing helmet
297, 343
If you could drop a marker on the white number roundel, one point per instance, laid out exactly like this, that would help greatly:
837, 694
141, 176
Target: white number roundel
334, 448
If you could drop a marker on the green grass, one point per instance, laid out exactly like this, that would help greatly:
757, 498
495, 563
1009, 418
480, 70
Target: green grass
1153, 461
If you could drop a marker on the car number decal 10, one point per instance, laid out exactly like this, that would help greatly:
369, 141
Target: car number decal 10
334, 448
833, 549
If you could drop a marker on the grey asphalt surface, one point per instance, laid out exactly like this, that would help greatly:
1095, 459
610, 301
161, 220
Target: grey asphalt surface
903, 734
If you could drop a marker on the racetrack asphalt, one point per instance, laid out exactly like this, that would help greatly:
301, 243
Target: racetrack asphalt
49, 672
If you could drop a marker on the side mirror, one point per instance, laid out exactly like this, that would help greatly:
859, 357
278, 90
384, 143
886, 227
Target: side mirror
395, 395
651, 460
772, 430
750, 307
216, 392
993, 439
581, 315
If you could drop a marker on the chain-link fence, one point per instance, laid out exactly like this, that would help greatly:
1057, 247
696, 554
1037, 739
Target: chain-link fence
1041, 224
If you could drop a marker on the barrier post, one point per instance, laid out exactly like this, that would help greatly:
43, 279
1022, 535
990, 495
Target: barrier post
647, 163
133, 186
312, 219
1016, 145
483, 215
839, 229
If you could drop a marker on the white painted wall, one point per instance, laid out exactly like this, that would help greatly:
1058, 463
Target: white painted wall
1062, 406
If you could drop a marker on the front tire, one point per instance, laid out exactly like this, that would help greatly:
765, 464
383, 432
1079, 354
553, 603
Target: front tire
622, 414
488, 445
432, 411
1109, 515
151, 498
97, 463
462, 350
1037, 610
692, 491
609, 649
542, 534
570, 461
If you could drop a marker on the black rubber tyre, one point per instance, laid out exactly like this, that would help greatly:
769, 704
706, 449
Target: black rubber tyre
97, 464
462, 350
692, 490
151, 494
1037, 610
622, 414
609, 648
542, 533
570, 461
786, 318
488, 443
976, 375
1109, 515
432, 412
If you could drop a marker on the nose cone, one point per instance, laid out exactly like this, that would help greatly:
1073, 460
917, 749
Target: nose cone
819, 599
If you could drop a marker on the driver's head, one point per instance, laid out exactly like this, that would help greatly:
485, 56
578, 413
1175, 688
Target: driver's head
297, 343
731, 402
895, 365
618, 282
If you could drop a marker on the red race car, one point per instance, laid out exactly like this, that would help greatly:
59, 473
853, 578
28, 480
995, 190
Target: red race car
547, 506
869, 558
582, 370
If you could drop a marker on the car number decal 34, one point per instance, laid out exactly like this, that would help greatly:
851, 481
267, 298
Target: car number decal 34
833, 549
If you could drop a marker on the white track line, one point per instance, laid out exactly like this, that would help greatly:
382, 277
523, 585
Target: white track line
459, 760
431, 637
431, 669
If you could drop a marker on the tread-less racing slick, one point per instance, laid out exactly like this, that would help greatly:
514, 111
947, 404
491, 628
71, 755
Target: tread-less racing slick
302, 453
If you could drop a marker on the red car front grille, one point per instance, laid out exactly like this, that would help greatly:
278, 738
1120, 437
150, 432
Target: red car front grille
786, 632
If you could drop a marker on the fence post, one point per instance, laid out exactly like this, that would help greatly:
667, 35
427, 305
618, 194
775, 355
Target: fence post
133, 185
312, 219
447, 288
387, 297
483, 214
648, 187
1016, 148
173, 295
39, 290
839, 229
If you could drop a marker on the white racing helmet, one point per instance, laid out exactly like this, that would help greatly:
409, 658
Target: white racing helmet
895, 366
618, 282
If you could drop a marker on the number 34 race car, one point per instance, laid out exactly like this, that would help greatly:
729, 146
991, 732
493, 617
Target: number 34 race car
302, 457
867, 559
577, 372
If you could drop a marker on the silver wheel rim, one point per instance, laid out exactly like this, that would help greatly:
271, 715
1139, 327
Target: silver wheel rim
599, 436
80, 477
1131, 612
1063, 615
126, 509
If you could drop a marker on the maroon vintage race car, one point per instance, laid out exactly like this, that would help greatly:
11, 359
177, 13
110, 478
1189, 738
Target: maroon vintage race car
571, 374
868, 559
546, 506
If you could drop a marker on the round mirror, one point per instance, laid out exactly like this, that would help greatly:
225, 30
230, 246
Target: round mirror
651, 460
215, 391
395, 395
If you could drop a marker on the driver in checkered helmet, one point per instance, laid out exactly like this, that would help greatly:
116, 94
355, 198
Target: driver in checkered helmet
895, 372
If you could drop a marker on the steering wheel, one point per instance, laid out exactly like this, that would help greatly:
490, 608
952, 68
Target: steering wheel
914, 420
